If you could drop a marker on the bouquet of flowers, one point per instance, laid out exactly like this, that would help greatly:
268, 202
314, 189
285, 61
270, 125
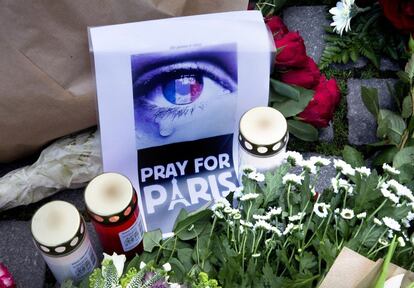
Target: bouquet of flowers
277, 231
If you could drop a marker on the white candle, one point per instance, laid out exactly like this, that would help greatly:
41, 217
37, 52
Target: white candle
263, 137
60, 234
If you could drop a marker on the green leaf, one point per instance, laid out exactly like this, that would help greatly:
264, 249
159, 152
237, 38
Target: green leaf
152, 239
184, 255
406, 173
307, 261
390, 125
181, 216
370, 98
404, 156
291, 107
407, 107
302, 130
285, 90
179, 270
367, 191
353, 156
385, 156
403, 76
409, 69
192, 218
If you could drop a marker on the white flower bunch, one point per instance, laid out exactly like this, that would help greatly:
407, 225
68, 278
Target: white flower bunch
343, 167
390, 170
292, 179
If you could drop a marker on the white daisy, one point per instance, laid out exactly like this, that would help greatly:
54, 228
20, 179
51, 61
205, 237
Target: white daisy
288, 228
320, 161
406, 223
400, 190
309, 166
377, 221
342, 15
297, 217
321, 209
262, 224
247, 169
410, 216
361, 215
337, 211
276, 231
383, 241
256, 176
401, 241
391, 223
237, 216
344, 167
261, 217
249, 196
228, 210
294, 158
390, 170
292, 179
246, 223
388, 194
337, 184
347, 213
275, 211
363, 171
218, 214
220, 204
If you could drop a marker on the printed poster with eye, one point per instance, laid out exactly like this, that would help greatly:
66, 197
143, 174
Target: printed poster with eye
170, 96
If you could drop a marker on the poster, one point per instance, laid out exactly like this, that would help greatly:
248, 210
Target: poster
170, 95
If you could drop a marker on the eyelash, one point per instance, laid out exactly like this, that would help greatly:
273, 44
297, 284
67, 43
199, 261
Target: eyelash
151, 79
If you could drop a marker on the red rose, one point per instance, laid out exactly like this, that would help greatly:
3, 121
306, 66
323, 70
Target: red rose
6, 279
306, 77
321, 108
276, 26
400, 13
291, 51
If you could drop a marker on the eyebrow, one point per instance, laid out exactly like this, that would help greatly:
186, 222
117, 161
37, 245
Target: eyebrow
225, 56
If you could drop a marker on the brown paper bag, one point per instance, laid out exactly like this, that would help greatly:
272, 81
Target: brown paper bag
46, 89
352, 270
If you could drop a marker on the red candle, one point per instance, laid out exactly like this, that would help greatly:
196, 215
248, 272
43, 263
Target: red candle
112, 204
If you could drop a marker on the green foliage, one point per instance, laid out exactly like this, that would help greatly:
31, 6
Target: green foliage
353, 156
371, 36
204, 282
395, 129
302, 130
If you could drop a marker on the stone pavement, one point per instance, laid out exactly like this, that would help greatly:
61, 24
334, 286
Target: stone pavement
17, 250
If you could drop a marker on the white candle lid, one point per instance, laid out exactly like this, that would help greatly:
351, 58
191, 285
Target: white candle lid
55, 223
263, 126
108, 194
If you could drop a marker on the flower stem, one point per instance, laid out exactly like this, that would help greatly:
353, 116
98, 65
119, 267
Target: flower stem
288, 200
376, 210
384, 272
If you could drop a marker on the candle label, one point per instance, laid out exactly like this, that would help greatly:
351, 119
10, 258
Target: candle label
131, 237
85, 264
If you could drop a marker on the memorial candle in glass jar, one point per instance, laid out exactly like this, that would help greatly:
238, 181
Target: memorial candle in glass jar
263, 137
112, 204
60, 234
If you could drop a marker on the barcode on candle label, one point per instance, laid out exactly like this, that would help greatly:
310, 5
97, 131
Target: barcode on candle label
84, 265
131, 237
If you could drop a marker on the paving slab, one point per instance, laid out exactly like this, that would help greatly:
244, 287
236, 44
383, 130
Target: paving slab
19, 254
309, 21
387, 64
326, 134
362, 125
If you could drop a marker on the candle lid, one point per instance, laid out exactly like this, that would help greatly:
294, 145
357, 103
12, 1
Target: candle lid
263, 131
110, 198
57, 227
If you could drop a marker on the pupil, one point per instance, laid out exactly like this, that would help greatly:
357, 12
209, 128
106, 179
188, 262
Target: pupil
183, 90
